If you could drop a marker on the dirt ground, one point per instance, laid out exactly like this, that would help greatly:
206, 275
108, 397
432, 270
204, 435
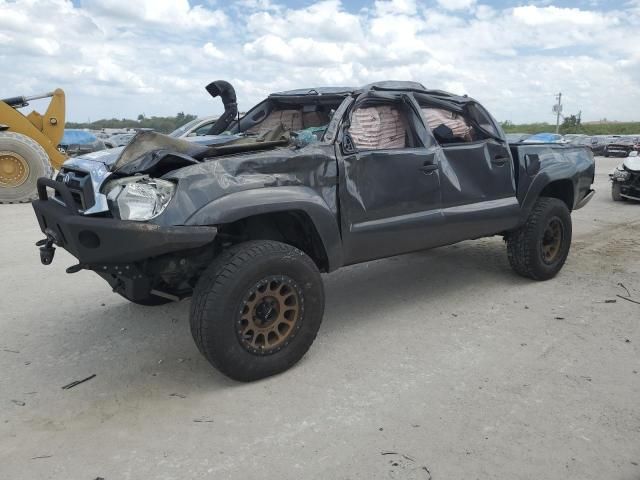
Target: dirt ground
441, 364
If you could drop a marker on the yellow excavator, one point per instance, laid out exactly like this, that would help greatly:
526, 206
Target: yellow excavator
29, 145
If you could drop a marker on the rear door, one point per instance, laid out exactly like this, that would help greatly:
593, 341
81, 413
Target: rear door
477, 180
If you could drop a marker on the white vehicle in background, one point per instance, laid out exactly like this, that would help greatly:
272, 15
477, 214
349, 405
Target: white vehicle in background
625, 179
119, 140
195, 128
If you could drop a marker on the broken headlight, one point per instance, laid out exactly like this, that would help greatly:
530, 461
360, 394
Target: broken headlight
139, 198
620, 175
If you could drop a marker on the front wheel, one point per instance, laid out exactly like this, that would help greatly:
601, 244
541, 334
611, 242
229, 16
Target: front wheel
257, 309
616, 192
540, 247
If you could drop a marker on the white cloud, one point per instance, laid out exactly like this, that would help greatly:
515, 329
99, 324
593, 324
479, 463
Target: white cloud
532, 15
456, 4
120, 58
211, 50
395, 7
177, 13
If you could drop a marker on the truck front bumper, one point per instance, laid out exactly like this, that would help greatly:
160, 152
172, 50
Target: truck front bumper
101, 240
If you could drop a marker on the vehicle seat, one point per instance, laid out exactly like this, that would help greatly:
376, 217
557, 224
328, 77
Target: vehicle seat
290, 119
315, 119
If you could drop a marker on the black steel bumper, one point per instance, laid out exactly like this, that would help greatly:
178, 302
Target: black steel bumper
99, 240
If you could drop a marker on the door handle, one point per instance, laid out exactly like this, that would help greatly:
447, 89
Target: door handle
500, 160
429, 168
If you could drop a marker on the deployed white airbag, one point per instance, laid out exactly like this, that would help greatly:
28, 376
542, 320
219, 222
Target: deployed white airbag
378, 127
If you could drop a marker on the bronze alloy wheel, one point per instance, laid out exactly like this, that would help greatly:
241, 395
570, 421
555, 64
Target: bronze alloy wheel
14, 169
552, 240
270, 315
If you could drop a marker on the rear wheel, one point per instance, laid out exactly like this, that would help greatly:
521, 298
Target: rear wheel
616, 192
257, 309
22, 162
540, 247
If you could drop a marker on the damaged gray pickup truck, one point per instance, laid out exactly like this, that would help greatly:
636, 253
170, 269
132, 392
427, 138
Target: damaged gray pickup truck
306, 182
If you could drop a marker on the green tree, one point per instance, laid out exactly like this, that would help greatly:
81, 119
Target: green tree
571, 124
159, 124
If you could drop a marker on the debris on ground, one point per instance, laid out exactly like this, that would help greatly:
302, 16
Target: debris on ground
179, 395
20, 403
78, 382
613, 300
41, 456
626, 297
559, 318
407, 464
10, 351
203, 420
620, 284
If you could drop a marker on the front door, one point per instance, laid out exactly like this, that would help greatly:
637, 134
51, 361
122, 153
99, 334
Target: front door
389, 183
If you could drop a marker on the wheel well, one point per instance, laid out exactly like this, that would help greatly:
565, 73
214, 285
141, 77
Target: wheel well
293, 227
560, 189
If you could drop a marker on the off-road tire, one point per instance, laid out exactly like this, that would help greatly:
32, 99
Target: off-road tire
37, 160
220, 296
616, 193
524, 245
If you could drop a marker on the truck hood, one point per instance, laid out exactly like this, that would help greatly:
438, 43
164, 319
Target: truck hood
632, 163
157, 155
148, 141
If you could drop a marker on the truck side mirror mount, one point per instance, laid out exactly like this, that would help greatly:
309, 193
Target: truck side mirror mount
347, 145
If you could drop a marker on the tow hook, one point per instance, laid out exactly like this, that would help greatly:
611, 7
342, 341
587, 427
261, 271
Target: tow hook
47, 250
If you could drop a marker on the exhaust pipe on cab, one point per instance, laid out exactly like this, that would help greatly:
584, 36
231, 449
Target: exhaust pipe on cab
227, 94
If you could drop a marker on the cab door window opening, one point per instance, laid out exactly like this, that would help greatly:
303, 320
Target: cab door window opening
382, 125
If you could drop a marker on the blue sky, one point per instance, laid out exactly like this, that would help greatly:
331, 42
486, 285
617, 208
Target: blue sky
119, 58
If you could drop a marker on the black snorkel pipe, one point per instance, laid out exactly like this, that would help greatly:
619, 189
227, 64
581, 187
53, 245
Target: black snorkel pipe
227, 94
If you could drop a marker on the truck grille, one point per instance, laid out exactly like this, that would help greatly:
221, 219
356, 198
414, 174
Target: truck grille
80, 186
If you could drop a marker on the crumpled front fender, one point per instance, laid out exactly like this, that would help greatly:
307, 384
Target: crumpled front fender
243, 204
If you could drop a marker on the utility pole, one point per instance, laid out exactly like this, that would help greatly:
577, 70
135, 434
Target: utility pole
557, 108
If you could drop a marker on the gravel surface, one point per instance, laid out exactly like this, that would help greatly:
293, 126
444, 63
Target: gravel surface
440, 364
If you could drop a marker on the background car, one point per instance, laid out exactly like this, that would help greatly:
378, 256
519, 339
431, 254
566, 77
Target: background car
622, 146
544, 138
195, 128
118, 140
78, 142
517, 137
